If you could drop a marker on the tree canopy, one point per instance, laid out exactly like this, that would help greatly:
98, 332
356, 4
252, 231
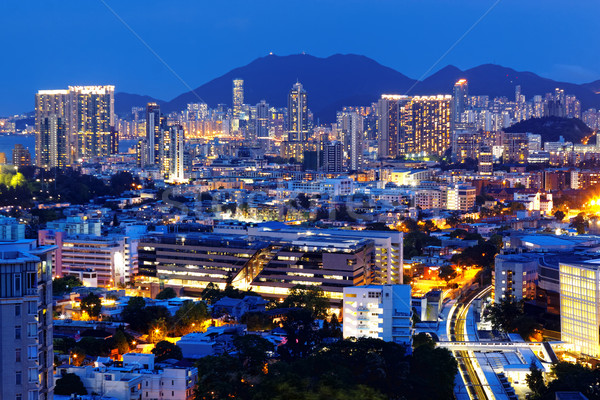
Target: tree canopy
92, 305
69, 384
65, 284
165, 350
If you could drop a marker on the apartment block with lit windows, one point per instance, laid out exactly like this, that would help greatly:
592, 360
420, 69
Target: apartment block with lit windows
26, 354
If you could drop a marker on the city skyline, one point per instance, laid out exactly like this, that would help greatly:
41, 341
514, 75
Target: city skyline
511, 47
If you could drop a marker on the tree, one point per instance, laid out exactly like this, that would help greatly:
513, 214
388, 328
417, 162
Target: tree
509, 316
559, 215
220, 377
301, 334
157, 330
166, 293
423, 339
432, 373
579, 223
303, 200
65, 284
310, 298
77, 355
453, 220
92, 305
120, 341
447, 272
165, 350
115, 221
535, 382
190, 317
257, 321
211, 293
69, 384
133, 312
252, 350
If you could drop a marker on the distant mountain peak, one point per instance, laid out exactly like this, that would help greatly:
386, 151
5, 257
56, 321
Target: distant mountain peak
350, 80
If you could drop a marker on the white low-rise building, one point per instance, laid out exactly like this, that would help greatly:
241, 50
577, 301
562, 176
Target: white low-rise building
378, 311
137, 377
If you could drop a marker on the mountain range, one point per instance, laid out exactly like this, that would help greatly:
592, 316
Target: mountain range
353, 80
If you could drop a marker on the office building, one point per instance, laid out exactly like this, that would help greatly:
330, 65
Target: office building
51, 128
326, 262
21, 156
461, 97
93, 120
195, 260
26, 353
379, 312
515, 276
269, 265
580, 306
238, 97
389, 256
297, 114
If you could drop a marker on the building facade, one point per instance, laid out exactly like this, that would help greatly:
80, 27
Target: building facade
580, 306
380, 312
26, 353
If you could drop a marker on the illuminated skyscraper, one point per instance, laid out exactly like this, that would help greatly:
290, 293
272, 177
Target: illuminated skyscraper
238, 97
461, 96
176, 153
53, 142
333, 161
92, 120
262, 120
425, 125
153, 134
51, 128
297, 114
388, 124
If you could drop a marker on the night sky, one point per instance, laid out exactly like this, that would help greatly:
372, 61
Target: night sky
49, 44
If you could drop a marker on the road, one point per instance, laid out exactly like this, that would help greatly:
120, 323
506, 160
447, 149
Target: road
457, 331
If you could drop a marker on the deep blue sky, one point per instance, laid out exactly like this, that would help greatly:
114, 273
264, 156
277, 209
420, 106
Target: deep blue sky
47, 44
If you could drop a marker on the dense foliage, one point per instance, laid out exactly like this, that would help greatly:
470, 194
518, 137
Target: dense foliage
165, 350
65, 285
347, 369
92, 305
509, 316
69, 384
568, 378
